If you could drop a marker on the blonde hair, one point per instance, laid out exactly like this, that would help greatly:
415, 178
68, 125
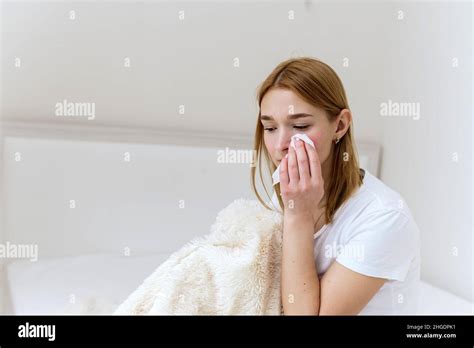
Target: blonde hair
318, 84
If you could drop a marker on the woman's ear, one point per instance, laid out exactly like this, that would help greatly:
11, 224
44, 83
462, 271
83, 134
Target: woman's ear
344, 120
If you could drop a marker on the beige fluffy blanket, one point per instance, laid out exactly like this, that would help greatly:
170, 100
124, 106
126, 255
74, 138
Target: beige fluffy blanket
234, 270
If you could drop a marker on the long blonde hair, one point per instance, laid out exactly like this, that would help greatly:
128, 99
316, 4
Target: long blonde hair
318, 84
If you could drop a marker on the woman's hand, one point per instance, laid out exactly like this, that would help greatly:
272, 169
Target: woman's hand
301, 182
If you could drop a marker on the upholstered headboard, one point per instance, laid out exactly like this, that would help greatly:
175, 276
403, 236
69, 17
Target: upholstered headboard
369, 157
88, 194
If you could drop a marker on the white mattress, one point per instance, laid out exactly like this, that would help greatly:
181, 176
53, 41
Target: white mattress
97, 284
436, 301
88, 284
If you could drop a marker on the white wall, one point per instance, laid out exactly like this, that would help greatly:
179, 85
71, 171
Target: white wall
419, 157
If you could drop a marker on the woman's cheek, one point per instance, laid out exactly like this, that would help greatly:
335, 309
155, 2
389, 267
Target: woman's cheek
267, 144
315, 138
270, 150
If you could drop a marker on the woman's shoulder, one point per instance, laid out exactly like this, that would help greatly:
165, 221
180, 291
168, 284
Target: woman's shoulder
376, 196
378, 221
377, 211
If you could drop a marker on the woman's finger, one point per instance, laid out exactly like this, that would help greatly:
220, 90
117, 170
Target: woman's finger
293, 166
284, 179
302, 159
314, 163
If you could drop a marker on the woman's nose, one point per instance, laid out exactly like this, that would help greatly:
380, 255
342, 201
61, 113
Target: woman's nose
283, 141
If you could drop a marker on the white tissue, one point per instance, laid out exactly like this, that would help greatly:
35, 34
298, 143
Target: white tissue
306, 139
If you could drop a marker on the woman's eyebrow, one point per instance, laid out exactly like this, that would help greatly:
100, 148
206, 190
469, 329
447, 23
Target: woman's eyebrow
290, 117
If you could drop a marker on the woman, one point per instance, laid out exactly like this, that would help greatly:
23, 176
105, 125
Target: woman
350, 244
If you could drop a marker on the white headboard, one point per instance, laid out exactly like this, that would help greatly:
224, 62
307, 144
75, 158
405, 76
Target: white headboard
369, 157
75, 197
159, 200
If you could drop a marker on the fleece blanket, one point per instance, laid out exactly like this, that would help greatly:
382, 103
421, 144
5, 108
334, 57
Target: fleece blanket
233, 270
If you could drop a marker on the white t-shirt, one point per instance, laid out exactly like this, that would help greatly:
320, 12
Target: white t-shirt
374, 233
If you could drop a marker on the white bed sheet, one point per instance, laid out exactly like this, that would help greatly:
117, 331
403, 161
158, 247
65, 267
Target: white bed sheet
436, 301
87, 284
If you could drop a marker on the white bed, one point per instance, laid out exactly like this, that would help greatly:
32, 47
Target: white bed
88, 284
96, 284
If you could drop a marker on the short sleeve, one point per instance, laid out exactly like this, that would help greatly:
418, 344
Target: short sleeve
381, 244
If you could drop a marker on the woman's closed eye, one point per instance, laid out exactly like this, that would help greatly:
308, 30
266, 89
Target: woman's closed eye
269, 129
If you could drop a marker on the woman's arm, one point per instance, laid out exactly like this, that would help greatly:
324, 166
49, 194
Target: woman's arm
300, 288
345, 292
341, 291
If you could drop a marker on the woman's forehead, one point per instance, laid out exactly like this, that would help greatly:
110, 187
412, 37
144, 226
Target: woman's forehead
279, 103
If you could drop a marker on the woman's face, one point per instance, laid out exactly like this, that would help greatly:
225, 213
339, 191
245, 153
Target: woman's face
285, 109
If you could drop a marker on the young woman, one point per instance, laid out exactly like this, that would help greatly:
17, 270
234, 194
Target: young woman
350, 244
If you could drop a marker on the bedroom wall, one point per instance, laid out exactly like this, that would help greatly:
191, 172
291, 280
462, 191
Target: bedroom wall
3, 295
428, 156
